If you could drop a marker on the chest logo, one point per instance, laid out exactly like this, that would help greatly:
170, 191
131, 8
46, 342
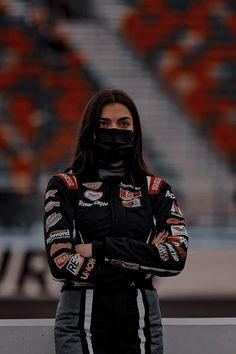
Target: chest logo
129, 196
92, 195
93, 185
130, 199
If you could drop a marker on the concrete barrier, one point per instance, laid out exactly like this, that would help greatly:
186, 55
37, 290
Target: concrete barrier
181, 336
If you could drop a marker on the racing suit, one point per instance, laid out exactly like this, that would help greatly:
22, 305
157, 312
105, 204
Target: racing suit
108, 304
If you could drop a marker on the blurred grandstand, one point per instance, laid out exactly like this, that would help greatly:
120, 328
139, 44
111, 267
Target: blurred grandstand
177, 59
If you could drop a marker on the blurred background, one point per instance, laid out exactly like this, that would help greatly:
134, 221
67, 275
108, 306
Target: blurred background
177, 60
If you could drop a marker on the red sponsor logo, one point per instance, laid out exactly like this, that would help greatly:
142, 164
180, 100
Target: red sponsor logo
62, 259
175, 221
69, 180
155, 185
128, 196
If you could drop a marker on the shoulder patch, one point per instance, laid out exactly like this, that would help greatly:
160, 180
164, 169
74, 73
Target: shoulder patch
154, 184
68, 179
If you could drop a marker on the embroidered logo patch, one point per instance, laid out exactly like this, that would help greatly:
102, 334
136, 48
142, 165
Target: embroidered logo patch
52, 220
51, 193
92, 185
130, 199
62, 259
92, 195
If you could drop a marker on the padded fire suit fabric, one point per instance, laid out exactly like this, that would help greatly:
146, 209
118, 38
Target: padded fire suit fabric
136, 231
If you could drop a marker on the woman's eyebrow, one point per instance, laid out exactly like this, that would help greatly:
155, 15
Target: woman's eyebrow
103, 118
121, 118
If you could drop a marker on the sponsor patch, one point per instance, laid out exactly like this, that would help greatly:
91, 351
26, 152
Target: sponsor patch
130, 186
184, 241
58, 246
130, 199
51, 193
128, 196
92, 185
173, 252
169, 194
50, 205
178, 230
161, 237
89, 267
93, 195
175, 210
175, 221
75, 264
123, 264
135, 203
162, 251
52, 220
69, 180
58, 234
62, 259
154, 184
96, 202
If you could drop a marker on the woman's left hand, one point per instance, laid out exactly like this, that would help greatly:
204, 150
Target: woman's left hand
84, 249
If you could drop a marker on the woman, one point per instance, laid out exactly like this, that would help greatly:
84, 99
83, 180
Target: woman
110, 226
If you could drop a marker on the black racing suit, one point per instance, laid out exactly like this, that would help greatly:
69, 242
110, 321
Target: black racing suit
136, 231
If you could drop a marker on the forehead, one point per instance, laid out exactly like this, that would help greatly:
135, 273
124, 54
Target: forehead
115, 110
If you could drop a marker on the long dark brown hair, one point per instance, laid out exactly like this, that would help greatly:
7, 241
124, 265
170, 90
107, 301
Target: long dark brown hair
83, 162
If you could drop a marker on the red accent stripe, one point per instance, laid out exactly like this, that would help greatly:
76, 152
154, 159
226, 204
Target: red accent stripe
155, 185
69, 180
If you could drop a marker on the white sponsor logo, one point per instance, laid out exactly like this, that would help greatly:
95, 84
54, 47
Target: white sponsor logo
97, 202
92, 195
184, 241
55, 235
156, 183
162, 251
175, 210
173, 252
169, 194
123, 264
51, 193
92, 185
50, 205
129, 186
178, 230
89, 267
135, 203
75, 264
52, 220
101, 204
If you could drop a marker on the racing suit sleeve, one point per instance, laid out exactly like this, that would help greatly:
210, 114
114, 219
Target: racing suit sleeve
63, 261
164, 254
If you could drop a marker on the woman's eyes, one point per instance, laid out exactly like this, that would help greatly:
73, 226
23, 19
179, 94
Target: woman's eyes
122, 124
103, 124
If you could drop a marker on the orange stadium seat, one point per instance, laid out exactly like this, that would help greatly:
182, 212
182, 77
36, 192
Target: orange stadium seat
223, 135
22, 168
58, 148
21, 108
17, 40
4, 137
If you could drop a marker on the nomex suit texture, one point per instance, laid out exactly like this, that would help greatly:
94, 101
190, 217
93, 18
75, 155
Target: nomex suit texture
136, 231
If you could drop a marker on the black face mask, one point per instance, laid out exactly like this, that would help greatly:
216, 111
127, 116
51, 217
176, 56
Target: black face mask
112, 145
